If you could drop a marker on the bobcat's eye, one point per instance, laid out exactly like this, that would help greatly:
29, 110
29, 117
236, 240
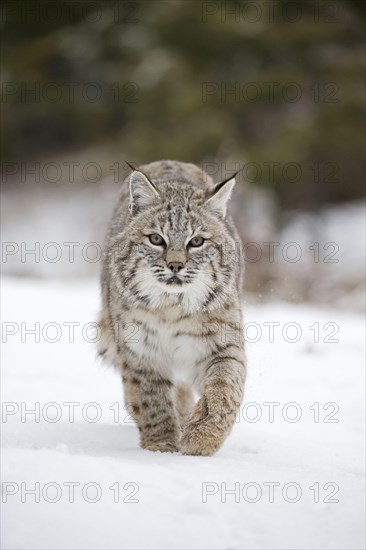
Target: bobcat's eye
156, 239
197, 241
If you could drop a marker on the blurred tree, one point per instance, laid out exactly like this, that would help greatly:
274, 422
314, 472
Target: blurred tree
277, 86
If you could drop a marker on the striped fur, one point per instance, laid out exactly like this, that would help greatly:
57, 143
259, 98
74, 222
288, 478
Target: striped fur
171, 313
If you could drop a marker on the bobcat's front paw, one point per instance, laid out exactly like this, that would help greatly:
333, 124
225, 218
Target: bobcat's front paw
202, 435
201, 439
162, 446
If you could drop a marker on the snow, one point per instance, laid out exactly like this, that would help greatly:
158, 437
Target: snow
170, 500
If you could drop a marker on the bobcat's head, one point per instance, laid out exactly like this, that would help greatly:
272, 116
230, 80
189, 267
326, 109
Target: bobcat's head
176, 247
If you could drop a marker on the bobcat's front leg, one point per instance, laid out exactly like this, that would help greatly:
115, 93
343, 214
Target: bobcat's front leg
153, 409
215, 412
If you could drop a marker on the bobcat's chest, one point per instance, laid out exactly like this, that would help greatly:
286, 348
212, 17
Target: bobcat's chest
173, 348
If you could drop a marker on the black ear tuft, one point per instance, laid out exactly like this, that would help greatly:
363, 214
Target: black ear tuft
217, 202
222, 183
130, 165
134, 169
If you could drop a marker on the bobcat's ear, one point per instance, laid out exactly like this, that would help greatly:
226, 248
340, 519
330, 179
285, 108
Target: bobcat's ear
143, 192
218, 200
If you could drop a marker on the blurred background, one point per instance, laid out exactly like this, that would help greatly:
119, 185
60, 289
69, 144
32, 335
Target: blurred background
274, 90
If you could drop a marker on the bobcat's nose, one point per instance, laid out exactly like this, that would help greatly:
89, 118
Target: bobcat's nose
175, 266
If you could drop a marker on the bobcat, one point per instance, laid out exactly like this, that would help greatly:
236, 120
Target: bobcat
171, 312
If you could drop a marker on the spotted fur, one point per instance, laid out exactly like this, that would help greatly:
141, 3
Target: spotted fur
171, 312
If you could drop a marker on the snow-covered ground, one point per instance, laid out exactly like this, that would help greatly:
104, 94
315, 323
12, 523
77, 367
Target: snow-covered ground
277, 483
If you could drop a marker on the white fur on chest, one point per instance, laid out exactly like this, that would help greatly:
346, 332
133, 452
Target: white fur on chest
167, 347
